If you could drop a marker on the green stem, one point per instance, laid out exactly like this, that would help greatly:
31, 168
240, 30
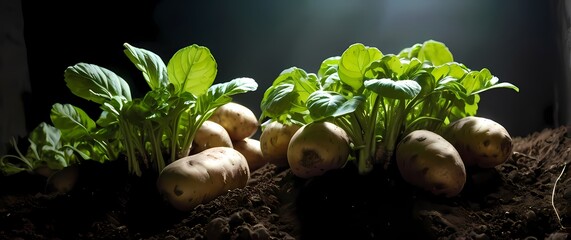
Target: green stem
365, 160
393, 131
133, 164
174, 138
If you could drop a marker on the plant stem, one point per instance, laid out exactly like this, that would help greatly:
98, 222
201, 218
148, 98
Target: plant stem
133, 164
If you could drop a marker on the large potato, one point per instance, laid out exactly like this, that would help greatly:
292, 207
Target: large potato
274, 141
192, 180
317, 148
428, 161
480, 141
238, 120
209, 135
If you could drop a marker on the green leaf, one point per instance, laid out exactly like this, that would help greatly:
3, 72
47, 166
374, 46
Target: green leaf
435, 52
278, 100
288, 93
326, 104
192, 69
354, 62
95, 83
72, 121
328, 66
401, 89
45, 135
411, 52
498, 85
152, 66
54, 158
220, 94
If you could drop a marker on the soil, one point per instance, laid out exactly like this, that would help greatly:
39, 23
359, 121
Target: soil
528, 197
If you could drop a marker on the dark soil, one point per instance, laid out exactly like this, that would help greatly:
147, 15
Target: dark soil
511, 201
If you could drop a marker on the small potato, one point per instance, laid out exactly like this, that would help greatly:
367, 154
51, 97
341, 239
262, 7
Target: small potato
480, 141
428, 161
209, 135
196, 179
274, 140
63, 180
250, 148
238, 120
317, 148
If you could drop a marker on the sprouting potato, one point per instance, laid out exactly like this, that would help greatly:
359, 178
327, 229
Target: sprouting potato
480, 141
274, 141
209, 135
238, 120
250, 148
428, 161
199, 178
316, 148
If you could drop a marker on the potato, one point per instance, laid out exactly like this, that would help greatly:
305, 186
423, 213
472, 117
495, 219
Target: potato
480, 141
63, 180
250, 148
209, 135
200, 178
238, 120
428, 161
274, 141
317, 148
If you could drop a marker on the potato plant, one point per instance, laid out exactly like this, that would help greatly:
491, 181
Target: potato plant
151, 131
379, 98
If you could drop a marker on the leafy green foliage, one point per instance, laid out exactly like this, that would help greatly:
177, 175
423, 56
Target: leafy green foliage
161, 123
377, 98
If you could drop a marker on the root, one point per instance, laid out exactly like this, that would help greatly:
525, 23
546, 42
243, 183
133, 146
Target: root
553, 197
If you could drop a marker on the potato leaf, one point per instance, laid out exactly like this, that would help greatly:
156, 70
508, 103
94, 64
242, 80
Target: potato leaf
354, 62
402, 89
95, 83
326, 104
150, 64
72, 121
220, 93
435, 52
288, 93
192, 69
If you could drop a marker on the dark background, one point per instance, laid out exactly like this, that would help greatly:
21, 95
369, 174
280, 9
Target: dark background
519, 41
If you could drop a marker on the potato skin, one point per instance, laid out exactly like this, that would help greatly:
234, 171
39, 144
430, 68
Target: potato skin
209, 135
317, 148
480, 141
238, 120
428, 161
274, 141
196, 179
251, 150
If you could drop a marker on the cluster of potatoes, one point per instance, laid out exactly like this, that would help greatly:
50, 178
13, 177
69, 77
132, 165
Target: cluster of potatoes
224, 154
438, 162
221, 158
